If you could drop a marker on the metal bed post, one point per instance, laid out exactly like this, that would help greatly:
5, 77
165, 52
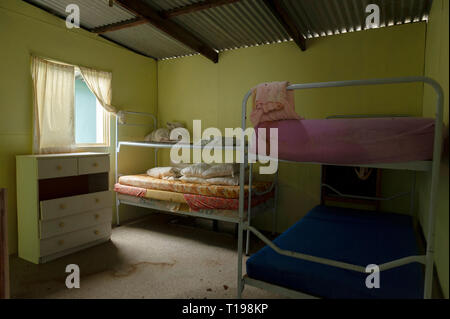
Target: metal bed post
436, 166
249, 207
275, 204
116, 173
240, 283
117, 148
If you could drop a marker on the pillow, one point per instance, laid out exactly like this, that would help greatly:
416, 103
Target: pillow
221, 170
173, 125
158, 135
160, 172
195, 170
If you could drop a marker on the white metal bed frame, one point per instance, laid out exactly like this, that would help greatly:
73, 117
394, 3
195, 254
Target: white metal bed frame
432, 166
213, 214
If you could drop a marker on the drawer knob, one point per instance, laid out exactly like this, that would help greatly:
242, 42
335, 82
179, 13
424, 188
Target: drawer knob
95, 164
62, 206
61, 224
96, 232
60, 242
97, 200
97, 216
59, 167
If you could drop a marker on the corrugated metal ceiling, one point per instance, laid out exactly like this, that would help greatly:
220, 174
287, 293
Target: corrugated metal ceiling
239, 24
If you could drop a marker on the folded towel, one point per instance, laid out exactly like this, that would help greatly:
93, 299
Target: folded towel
272, 102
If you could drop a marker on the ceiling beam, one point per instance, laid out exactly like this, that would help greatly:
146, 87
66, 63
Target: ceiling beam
146, 12
119, 25
198, 6
286, 21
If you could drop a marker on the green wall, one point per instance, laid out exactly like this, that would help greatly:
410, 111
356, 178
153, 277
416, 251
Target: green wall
194, 88
436, 67
26, 30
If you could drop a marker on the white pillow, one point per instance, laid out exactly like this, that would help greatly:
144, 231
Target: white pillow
195, 170
158, 135
221, 170
160, 172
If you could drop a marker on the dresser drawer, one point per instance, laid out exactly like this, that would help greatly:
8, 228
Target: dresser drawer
55, 227
93, 164
65, 206
70, 240
57, 167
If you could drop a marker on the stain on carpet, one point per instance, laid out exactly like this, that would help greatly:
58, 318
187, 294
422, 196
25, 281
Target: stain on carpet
130, 269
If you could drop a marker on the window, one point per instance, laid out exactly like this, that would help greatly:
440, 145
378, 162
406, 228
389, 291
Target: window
91, 119
71, 106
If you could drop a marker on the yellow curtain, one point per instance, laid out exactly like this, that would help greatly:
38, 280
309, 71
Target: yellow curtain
54, 90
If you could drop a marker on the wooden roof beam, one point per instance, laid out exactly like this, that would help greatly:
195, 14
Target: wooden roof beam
169, 27
286, 21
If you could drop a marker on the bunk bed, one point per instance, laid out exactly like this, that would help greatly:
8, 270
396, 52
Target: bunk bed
325, 254
214, 202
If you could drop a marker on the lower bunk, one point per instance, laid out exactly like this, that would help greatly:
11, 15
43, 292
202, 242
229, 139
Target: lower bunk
347, 235
214, 202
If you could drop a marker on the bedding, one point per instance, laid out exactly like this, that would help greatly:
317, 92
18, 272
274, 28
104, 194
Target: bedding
182, 207
221, 170
272, 102
195, 170
161, 172
148, 182
347, 235
230, 181
195, 202
353, 141
193, 180
158, 204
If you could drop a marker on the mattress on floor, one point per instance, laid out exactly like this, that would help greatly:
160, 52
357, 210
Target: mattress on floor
194, 201
353, 141
148, 182
352, 236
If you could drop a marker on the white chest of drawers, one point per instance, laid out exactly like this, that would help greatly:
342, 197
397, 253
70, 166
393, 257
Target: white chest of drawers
63, 204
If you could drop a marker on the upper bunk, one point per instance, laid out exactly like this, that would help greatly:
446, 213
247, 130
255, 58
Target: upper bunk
404, 143
121, 120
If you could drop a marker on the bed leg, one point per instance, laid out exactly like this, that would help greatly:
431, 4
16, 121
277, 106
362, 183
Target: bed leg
247, 243
117, 213
240, 239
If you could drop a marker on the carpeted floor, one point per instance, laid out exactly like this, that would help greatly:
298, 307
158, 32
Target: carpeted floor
155, 257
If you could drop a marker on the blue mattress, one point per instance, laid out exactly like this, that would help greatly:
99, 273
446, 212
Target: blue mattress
352, 236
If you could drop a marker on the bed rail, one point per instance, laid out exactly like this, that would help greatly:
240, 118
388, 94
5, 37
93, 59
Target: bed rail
426, 259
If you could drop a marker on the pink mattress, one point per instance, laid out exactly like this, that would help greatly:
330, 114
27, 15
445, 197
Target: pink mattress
354, 141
